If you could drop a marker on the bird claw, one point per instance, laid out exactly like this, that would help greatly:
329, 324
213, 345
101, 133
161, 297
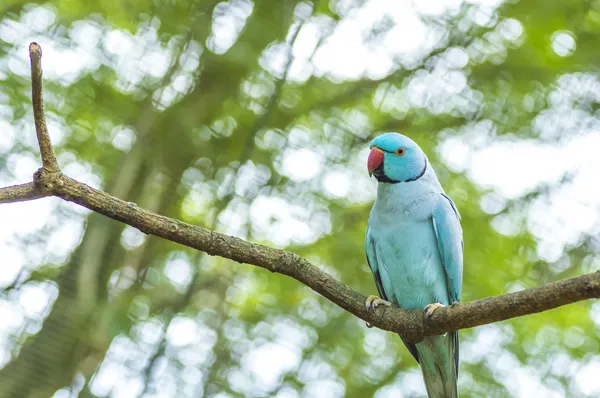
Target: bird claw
374, 302
430, 309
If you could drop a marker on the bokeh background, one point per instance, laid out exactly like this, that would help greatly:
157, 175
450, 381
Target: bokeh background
253, 118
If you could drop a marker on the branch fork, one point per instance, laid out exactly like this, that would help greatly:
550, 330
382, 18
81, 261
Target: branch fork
43, 179
411, 324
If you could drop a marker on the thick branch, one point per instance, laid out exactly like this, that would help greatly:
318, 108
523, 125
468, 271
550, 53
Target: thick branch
20, 193
48, 159
409, 323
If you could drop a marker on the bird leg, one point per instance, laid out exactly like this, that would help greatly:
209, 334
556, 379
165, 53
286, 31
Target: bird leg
430, 308
374, 302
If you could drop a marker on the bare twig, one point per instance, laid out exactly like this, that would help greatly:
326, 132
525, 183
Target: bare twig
48, 159
408, 323
20, 193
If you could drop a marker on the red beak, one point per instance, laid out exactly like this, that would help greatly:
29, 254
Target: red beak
375, 159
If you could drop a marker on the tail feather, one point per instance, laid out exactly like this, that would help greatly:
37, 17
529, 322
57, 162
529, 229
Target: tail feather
438, 356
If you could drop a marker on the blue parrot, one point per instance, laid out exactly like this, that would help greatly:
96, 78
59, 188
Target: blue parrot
415, 250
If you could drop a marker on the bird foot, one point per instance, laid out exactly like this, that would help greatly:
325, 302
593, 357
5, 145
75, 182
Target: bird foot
430, 309
374, 302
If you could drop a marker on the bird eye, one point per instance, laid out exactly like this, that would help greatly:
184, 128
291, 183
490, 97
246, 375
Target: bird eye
400, 151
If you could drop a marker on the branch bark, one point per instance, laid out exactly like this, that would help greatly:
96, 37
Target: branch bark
20, 193
49, 181
37, 97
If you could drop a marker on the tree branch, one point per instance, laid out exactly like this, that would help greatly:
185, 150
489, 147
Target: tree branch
409, 323
48, 159
20, 193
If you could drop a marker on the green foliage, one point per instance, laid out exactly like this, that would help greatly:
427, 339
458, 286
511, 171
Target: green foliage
195, 110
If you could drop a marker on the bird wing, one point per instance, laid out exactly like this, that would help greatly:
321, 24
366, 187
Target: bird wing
446, 223
374, 265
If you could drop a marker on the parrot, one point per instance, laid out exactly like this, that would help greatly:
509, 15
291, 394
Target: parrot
414, 247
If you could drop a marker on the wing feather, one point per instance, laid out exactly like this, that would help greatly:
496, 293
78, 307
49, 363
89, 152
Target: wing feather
373, 264
446, 223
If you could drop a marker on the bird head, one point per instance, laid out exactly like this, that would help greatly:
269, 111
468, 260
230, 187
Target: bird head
396, 158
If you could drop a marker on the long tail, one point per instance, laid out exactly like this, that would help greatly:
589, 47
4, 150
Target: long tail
438, 356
